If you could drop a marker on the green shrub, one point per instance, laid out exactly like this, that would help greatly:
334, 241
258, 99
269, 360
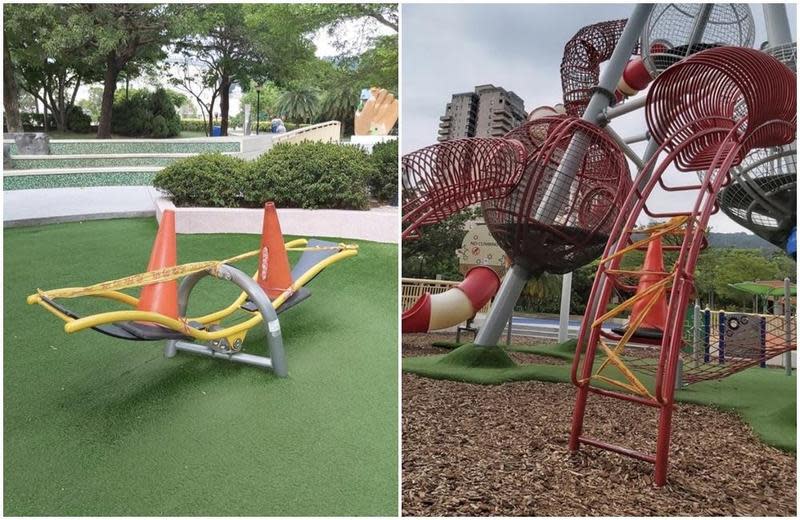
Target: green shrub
209, 179
78, 120
383, 178
193, 125
146, 114
310, 175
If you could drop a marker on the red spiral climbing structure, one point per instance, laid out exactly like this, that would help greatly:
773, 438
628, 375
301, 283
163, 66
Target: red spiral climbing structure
584, 189
706, 112
445, 178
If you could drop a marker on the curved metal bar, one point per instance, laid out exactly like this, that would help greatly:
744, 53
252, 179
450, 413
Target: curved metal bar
272, 326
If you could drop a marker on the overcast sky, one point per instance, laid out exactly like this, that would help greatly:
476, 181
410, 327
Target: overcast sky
450, 48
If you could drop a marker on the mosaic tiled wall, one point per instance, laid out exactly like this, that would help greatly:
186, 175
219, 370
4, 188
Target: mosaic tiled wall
26, 182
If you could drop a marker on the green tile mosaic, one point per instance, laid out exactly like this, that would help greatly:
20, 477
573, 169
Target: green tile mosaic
166, 146
109, 161
82, 180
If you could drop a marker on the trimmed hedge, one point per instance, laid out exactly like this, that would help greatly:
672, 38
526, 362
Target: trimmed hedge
310, 175
199, 125
383, 178
305, 175
205, 180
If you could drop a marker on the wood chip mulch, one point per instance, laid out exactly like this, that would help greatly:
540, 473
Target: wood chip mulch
474, 450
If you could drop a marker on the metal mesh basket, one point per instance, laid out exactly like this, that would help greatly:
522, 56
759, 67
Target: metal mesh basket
785, 53
762, 195
442, 179
667, 36
558, 216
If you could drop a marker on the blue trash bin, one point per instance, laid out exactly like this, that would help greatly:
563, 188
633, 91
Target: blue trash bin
216, 131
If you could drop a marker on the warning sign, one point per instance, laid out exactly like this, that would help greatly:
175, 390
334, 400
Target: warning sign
479, 248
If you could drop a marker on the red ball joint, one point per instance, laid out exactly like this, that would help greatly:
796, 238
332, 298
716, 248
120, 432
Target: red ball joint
634, 78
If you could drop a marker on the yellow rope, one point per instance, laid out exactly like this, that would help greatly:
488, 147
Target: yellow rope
169, 273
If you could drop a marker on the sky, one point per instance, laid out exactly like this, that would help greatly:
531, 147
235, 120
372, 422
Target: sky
450, 48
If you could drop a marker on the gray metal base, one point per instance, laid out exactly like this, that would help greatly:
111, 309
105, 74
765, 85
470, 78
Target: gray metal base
272, 328
173, 347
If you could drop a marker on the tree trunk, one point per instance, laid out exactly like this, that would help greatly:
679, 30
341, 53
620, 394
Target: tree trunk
109, 88
224, 104
10, 93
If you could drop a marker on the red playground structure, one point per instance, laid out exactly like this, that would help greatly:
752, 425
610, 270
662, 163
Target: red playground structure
557, 193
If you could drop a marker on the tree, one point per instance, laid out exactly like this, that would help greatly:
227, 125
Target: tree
299, 103
10, 92
200, 83
93, 102
47, 54
266, 102
123, 37
434, 253
222, 43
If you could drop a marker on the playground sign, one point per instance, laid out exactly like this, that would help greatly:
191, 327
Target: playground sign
480, 248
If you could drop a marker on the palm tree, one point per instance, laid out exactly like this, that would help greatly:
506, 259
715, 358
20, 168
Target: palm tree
339, 103
543, 291
299, 104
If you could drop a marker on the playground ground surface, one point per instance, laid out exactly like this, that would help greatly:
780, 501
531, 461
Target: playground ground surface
491, 449
98, 426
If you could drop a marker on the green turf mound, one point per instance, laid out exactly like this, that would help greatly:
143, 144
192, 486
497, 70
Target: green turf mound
471, 355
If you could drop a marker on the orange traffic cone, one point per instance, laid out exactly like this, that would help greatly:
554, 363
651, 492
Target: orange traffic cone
654, 322
274, 274
162, 297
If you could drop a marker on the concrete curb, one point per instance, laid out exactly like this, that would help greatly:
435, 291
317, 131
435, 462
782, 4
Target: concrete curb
376, 225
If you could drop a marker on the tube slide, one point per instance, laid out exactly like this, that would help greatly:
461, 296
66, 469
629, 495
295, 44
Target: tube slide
440, 311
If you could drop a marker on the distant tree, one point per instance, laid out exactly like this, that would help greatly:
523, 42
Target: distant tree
48, 55
299, 103
10, 92
434, 253
266, 102
123, 37
93, 102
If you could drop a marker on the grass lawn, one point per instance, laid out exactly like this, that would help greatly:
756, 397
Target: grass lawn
764, 398
98, 426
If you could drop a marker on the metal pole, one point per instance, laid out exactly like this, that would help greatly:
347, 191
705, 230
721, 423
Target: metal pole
601, 99
563, 321
787, 324
699, 27
696, 333
508, 331
637, 138
623, 145
558, 189
778, 31
503, 307
258, 109
625, 108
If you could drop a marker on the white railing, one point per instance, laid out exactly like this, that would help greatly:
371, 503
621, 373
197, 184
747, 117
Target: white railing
328, 132
414, 288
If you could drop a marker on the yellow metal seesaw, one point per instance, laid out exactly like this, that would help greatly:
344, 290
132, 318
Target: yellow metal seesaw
150, 321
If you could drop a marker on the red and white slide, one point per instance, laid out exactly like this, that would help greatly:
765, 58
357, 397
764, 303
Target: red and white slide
440, 311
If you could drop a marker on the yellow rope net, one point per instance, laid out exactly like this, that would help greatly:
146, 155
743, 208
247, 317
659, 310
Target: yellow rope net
171, 273
631, 383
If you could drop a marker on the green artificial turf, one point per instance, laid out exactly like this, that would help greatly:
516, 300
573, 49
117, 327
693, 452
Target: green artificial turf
99, 426
764, 398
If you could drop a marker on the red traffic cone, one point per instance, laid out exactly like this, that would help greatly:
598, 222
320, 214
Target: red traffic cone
654, 322
274, 274
162, 297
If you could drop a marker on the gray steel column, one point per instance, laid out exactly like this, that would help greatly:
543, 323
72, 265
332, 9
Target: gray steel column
517, 277
778, 31
787, 324
503, 307
601, 99
696, 333
563, 318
